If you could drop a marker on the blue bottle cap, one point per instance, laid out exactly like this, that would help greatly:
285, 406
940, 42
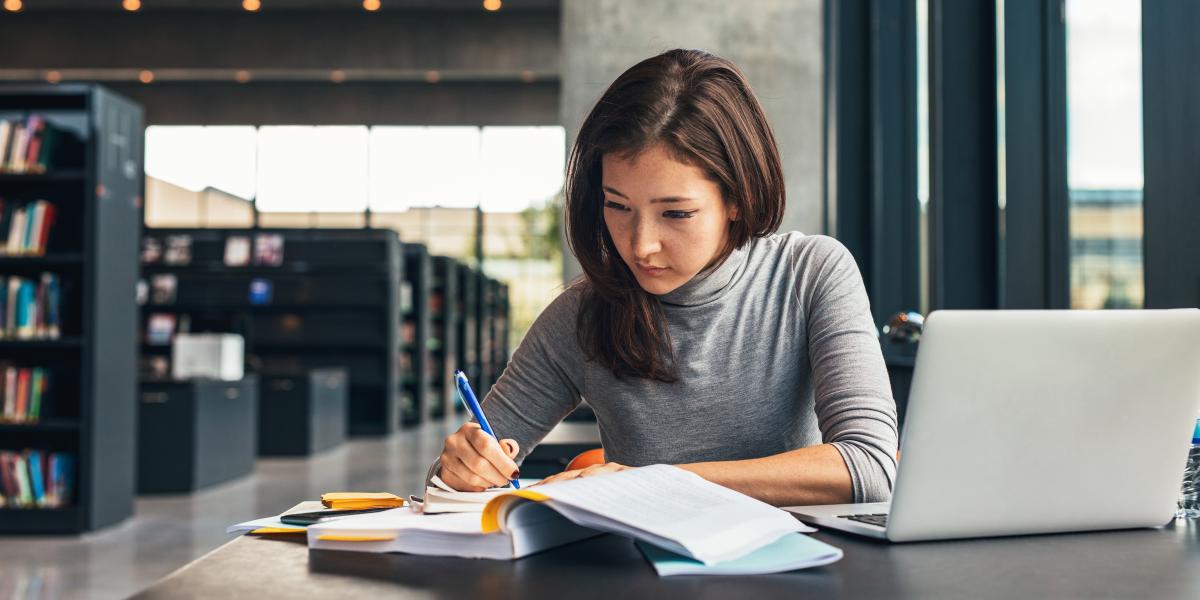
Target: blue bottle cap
1196, 433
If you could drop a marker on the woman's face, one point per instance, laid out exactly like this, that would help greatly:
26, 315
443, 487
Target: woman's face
667, 219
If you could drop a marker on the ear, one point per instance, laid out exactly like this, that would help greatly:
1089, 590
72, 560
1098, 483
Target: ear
733, 212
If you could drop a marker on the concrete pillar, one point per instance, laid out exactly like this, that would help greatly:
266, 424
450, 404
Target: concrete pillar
776, 43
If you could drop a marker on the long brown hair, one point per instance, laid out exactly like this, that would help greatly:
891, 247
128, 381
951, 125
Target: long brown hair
702, 110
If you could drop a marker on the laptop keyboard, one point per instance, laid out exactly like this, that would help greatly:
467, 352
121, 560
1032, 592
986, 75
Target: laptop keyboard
876, 519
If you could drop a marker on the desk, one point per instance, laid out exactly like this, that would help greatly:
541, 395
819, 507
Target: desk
1126, 564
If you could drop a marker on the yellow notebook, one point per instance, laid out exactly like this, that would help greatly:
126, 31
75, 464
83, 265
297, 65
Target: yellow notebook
353, 500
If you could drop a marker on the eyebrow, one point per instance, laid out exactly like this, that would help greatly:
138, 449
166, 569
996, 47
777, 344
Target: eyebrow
663, 200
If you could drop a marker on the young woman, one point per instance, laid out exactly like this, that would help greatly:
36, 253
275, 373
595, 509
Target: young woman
699, 336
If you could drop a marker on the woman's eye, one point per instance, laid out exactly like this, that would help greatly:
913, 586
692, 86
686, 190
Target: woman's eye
614, 205
678, 214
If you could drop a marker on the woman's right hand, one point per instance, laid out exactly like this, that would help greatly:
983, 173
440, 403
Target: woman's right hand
473, 461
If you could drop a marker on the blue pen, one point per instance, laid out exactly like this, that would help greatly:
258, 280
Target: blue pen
468, 396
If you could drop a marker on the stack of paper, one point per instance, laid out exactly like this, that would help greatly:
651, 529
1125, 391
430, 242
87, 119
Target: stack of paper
441, 498
274, 524
452, 534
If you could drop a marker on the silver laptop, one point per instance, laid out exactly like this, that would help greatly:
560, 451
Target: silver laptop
1023, 422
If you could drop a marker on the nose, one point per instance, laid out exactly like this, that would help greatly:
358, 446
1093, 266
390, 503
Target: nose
646, 242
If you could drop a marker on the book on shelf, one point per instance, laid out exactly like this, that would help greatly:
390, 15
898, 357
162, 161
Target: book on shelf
152, 250
179, 250
25, 227
237, 250
35, 145
30, 309
160, 329
154, 367
23, 393
261, 291
163, 288
36, 479
268, 249
406, 297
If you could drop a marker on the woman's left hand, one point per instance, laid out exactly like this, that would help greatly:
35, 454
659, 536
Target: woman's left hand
611, 467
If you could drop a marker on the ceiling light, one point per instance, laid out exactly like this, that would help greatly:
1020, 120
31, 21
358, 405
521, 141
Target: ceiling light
242, 76
251, 5
337, 76
146, 76
371, 5
131, 5
12, 5
53, 76
492, 5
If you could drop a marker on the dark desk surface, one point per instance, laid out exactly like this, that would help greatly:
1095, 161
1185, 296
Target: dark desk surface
1125, 564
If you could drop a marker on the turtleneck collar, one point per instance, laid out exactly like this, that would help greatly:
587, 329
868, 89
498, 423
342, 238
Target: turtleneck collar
711, 283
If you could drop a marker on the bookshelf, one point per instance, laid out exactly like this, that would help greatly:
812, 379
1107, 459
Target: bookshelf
416, 341
493, 331
444, 317
501, 330
483, 341
330, 298
93, 179
468, 329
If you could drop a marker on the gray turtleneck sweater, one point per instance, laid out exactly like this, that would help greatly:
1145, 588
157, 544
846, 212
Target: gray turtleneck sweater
776, 350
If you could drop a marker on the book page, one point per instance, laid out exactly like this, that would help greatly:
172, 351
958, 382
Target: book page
679, 508
444, 491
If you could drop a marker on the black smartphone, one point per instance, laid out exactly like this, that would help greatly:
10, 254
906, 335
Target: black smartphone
310, 518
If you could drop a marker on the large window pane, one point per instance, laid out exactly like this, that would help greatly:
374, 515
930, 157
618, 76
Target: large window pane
196, 158
424, 166
200, 176
312, 169
1104, 152
520, 167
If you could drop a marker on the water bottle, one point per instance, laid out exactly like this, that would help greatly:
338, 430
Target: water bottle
1189, 496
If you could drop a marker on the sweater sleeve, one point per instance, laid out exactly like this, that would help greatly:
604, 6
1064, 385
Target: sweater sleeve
854, 406
541, 385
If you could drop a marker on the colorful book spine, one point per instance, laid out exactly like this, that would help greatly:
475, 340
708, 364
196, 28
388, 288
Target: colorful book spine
37, 392
35, 478
23, 393
32, 145
31, 309
26, 228
36, 487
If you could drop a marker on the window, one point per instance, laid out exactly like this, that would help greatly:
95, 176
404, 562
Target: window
304, 169
424, 182
1104, 152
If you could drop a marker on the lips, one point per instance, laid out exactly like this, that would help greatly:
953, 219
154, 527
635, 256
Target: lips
650, 270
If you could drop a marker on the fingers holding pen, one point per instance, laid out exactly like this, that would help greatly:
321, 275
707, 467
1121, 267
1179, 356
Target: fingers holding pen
497, 455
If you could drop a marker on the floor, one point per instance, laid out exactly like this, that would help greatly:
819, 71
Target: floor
167, 532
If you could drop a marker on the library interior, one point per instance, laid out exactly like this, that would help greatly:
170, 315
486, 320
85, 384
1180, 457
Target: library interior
265, 265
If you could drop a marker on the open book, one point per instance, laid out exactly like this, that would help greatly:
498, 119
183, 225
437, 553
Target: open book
665, 506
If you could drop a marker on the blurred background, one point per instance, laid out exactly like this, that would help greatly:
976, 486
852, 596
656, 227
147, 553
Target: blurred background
246, 243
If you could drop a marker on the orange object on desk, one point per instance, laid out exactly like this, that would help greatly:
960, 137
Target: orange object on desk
585, 459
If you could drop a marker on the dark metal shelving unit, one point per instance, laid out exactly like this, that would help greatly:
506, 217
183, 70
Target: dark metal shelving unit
335, 302
89, 411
